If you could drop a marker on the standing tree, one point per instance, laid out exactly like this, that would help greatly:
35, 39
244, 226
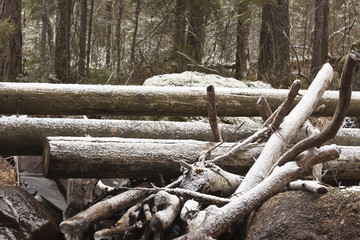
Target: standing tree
10, 39
82, 39
134, 35
274, 55
321, 35
108, 32
62, 42
242, 34
198, 13
120, 7
179, 34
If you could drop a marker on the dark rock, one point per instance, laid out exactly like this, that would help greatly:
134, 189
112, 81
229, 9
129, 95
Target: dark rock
22, 217
302, 215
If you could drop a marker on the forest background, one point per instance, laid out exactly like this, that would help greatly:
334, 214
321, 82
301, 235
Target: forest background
128, 41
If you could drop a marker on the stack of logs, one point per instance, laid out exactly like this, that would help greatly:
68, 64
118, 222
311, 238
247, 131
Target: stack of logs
208, 195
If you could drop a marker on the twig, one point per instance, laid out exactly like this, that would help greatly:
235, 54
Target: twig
211, 106
198, 65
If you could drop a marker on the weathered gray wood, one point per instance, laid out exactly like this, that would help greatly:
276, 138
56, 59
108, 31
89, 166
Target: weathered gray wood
119, 157
73, 99
25, 136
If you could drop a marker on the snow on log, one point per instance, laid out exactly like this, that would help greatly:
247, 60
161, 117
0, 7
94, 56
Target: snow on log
81, 157
75, 99
25, 136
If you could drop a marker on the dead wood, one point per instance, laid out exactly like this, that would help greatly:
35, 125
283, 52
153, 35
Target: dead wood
332, 128
168, 207
307, 185
263, 108
217, 220
74, 99
285, 134
210, 179
212, 114
76, 225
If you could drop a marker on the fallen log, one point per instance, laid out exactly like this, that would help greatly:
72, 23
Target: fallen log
74, 99
26, 136
82, 157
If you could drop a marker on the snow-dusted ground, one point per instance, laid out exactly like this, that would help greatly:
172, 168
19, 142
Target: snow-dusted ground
197, 79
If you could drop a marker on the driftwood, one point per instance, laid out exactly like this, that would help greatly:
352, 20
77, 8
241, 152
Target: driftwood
73, 99
311, 186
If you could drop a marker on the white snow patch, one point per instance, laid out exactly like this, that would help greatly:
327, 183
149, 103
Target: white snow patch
193, 79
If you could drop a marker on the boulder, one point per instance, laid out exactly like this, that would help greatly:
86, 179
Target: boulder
22, 217
303, 215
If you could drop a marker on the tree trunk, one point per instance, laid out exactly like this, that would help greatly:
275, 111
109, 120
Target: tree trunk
16, 140
134, 35
10, 42
120, 8
62, 44
243, 30
84, 157
318, 37
89, 36
82, 40
72, 99
179, 34
325, 39
274, 55
198, 12
49, 35
108, 32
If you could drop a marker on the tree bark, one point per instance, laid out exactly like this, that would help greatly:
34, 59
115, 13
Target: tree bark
242, 34
16, 140
274, 55
62, 44
58, 99
82, 40
179, 34
11, 46
68, 157
318, 37
89, 36
120, 7
198, 12
48, 33
108, 32
134, 35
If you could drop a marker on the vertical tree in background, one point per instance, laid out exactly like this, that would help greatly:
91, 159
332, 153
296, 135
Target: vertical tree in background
108, 32
89, 36
134, 36
198, 12
321, 35
62, 42
82, 39
274, 55
47, 48
10, 40
179, 34
242, 34
120, 7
